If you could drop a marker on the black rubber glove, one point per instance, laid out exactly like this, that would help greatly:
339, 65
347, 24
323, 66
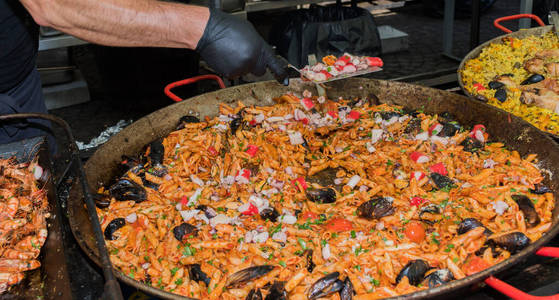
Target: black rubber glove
232, 47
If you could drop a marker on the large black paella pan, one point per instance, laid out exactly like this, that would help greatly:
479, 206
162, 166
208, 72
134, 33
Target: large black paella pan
513, 132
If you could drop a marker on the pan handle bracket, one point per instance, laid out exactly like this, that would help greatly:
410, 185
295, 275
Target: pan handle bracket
515, 17
187, 81
515, 293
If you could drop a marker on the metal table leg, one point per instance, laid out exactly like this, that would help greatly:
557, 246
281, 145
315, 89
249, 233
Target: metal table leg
448, 26
525, 8
474, 29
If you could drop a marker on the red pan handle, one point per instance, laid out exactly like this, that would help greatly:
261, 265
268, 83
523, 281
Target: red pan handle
515, 293
171, 85
514, 17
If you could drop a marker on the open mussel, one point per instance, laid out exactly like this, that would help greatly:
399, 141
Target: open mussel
501, 94
183, 230
430, 214
495, 85
540, 189
535, 78
527, 207
441, 181
347, 290
196, 274
325, 286
438, 277
185, 120
413, 127
387, 115
125, 189
310, 264
277, 291
449, 129
513, 242
269, 213
238, 278
254, 294
415, 271
375, 208
156, 153
323, 195
471, 223
101, 200
112, 227
208, 211
471, 145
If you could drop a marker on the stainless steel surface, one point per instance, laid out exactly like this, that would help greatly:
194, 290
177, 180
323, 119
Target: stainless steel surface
517, 135
448, 26
392, 40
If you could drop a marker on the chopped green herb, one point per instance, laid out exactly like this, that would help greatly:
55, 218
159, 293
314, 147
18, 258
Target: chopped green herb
375, 282
174, 271
449, 248
353, 234
302, 243
282, 263
178, 281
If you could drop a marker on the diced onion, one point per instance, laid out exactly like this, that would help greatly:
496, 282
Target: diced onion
131, 218
353, 181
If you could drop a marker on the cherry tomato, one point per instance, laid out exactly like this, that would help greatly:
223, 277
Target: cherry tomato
309, 215
416, 201
252, 150
415, 231
339, 225
475, 264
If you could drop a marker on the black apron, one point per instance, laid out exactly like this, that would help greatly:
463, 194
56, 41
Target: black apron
20, 85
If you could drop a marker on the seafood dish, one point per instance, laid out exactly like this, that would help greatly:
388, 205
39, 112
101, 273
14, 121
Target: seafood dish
520, 76
332, 67
312, 198
23, 227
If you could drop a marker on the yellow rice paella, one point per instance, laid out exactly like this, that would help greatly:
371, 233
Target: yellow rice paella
519, 76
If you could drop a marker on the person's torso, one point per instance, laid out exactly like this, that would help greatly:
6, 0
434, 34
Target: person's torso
18, 43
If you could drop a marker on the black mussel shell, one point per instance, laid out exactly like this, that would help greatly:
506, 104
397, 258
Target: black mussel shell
254, 294
310, 264
238, 278
347, 291
441, 181
187, 119
495, 85
512, 242
323, 195
277, 291
471, 223
130, 163
540, 189
323, 284
413, 127
208, 211
375, 208
533, 79
446, 117
501, 94
335, 287
471, 145
449, 129
387, 115
101, 200
412, 112
415, 271
269, 213
125, 189
183, 230
430, 214
439, 277
156, 152
147, 183
196, 274
527, 207
236, 123
112, 227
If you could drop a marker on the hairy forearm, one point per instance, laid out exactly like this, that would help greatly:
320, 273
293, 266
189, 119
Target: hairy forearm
148, 23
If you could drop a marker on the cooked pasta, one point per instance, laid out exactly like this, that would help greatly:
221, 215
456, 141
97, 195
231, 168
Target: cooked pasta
314, 198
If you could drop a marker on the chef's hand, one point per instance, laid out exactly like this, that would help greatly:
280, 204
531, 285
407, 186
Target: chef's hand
232, 47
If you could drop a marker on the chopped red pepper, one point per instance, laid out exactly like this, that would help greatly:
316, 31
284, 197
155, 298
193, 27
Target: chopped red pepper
309, 215
374, 62
354, 115
184, 201
300, 183
212, 151
244, 173
339, 225
439, 168
479, 87
252, 122
416, 201
305, 121
307, 103
252, 150
418, 175
251, 210
333, 114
